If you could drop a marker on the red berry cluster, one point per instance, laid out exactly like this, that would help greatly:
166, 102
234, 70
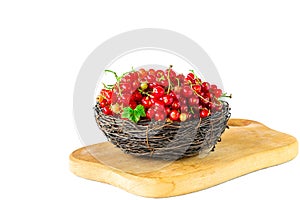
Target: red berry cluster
164, 95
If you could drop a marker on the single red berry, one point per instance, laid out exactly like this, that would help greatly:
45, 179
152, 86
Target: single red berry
142, 73
174, 81
150, 113
213, 87
106, 110
126, 87
177, 91
159, 73
134, 75
114, 97
103, 103
205, 86
135, 84
132, 104
137, 96
194, 101
107, 94
197, 88
175, 105
209, 95
167, 99
158, 105
190, 76
146, 102
164, 83
204, 113
151, 72
158, 91
184, 109
181, 78
211, 106
173, 95
150, 78
174, 115
182, 101
186, 91
159, 116
218, 93
168, 110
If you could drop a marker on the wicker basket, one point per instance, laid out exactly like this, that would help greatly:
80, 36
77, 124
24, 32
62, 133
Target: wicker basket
168, 141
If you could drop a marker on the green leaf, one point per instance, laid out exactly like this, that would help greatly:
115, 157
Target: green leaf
127, 113
134, 115
140, 110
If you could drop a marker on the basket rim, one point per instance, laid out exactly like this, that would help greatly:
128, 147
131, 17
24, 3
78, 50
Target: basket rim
97, 110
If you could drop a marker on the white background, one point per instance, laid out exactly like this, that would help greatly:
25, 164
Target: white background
254, 44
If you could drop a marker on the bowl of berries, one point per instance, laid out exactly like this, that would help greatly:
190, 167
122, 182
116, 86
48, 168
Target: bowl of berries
162, 114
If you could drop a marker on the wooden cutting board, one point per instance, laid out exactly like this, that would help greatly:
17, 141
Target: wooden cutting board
246, 147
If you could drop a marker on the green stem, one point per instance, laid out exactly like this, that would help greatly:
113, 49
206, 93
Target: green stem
116, 76
146, 93
109, 87
226, 96
169, 81
178, 82
162, 78
192, 111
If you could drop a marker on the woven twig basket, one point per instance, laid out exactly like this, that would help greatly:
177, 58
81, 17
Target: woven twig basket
163, 140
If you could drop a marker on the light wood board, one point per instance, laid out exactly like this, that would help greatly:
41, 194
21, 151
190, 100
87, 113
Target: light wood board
246, 147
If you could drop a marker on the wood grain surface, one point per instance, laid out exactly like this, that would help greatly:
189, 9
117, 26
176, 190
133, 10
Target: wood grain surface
246, 147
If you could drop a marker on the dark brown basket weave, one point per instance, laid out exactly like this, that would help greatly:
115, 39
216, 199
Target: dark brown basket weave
169, 141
